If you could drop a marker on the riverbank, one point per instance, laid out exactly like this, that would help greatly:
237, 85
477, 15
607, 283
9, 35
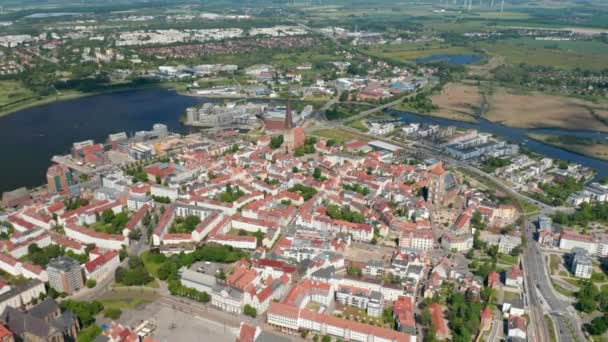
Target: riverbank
441, 114
586, 147
75, 94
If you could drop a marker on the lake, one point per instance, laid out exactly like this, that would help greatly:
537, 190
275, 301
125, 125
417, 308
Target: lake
450, 59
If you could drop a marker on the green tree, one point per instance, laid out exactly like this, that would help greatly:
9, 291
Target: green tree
89, 333
112, 313
316, 174
85, 311
250, 311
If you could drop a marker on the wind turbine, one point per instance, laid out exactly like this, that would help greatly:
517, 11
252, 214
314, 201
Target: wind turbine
502, 6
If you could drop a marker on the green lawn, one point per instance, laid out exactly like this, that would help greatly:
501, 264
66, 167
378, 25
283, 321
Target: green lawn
154, 284
128, 302
554, 262
572, 281
13, 91
508, 259
562, 290
337, 134
551, 328
151, 266
359, 125
508, 296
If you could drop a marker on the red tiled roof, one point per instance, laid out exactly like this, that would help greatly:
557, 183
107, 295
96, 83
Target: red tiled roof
33, 268
306, 288
438, 321
65, 242
241, 277
404, 310
4, 332
515, 272
438, 170
246, 334
293, 313
94, 234
55, 207
138, 216
8, 259
276, 264
100, 261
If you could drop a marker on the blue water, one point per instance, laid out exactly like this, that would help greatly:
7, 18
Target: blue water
519, 135
450, 59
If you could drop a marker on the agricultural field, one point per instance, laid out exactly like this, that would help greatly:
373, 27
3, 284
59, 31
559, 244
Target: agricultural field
536, 110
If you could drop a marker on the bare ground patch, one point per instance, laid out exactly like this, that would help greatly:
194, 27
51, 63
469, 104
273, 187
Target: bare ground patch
540, 110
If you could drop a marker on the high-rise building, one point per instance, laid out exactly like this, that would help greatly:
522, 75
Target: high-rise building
59, 177
65, 275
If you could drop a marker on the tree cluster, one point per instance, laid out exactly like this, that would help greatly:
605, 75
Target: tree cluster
356, 188
344, 213
307, 192
135, 275
86, 311
585, 213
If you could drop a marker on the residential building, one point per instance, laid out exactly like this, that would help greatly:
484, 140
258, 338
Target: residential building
514, 277
102, 266
65, 275
581, 265
290, 318
417, 239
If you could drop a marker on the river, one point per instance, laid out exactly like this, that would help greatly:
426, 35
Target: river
519, 135
30, 137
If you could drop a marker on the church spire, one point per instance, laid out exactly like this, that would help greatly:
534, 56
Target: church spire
288, 115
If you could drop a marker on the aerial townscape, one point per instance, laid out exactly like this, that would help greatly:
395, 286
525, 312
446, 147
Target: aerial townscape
304, 170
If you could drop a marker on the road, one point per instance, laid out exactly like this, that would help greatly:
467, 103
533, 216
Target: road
325, 124
541, 294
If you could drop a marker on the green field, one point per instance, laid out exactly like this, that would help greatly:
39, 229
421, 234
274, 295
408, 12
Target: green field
559, 54
408, 51
359, 125
337, 134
